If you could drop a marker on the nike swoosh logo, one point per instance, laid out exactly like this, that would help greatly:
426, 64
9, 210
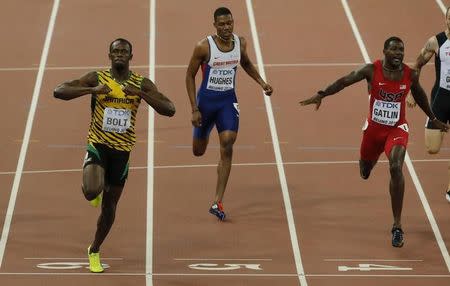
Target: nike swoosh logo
381, 83
396, 138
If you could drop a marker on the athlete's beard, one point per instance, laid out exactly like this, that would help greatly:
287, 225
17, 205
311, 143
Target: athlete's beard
120, 67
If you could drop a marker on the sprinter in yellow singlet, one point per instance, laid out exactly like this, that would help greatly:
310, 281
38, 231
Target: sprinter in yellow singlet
116, 95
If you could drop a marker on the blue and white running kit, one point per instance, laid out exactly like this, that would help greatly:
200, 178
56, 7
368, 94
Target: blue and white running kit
216, 98
440, 95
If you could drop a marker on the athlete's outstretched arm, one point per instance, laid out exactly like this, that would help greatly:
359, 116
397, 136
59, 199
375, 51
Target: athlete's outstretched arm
87, 84
149, 92
421, 98
364, 72
199, 56
250, 69
428, 51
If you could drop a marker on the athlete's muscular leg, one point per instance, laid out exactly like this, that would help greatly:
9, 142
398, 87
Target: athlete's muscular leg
365, 167
227, 139
105, 221
199, 146
397, 182
433, 142
93, 181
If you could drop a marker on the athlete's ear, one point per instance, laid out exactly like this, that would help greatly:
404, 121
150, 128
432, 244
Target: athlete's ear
131, 56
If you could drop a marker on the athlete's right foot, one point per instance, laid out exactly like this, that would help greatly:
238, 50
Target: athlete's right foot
397, 237
97, 201
95, 266
447, 196
217, 210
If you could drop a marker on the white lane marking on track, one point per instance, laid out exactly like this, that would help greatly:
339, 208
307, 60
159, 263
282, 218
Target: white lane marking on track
224, 274
442, 6
224, 259
378, 260
277, 151
27, 132
408, 162
234, 164
69, 258
150, 152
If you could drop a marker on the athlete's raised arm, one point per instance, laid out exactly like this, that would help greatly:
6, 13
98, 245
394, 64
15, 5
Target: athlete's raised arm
421, 99
355, 76
250, 69
87, 84
199, 56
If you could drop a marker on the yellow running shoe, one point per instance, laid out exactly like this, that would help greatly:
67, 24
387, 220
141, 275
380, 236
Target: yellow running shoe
95, 266
97, 201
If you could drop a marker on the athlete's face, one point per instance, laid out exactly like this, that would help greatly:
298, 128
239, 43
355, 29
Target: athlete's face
120, 54
394, 53
224, 25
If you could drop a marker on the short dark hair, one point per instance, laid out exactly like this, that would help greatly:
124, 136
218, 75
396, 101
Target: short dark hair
390, 39
122, 41
221, 11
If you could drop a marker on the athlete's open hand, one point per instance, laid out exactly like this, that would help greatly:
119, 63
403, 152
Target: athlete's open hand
439, 124
130, 90
196, 118
101, 89
316, 99
267, 89
410, 101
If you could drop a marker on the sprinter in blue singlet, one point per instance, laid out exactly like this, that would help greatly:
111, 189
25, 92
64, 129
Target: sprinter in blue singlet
216, 103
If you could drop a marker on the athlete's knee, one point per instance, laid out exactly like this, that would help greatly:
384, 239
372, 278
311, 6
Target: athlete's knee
364, 169
91, 192
226, 148
395, 168
198, 151
433, 150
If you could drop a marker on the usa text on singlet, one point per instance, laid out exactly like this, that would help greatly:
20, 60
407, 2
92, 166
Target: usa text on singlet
387, 98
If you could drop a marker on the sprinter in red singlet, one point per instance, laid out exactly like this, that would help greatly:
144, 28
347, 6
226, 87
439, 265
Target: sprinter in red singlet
386, 128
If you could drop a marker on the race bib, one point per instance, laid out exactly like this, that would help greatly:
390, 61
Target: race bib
116, 120
385, 112
221, 79
445, 79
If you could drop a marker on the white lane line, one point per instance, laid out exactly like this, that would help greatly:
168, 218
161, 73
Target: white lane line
69, 258
377, 260
234, 164
222, 259
276, 148
408, 162
27, 133
442, 6
138, 274
151, 150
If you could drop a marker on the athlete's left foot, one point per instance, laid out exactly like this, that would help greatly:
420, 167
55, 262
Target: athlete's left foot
95, 266
397, 237
447, 196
